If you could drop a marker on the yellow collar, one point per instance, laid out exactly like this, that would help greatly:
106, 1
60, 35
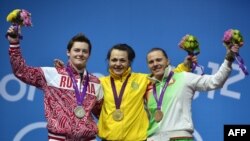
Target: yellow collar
124, 75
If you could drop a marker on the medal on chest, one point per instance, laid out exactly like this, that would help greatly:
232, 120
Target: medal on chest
79, 111
158, 113
118, 114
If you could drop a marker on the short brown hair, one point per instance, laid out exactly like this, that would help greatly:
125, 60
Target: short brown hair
80, 37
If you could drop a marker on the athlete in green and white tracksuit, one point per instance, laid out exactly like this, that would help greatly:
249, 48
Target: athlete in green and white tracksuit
176, 104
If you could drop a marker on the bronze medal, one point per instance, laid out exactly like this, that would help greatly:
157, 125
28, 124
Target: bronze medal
117, 115
79, 112
158, 115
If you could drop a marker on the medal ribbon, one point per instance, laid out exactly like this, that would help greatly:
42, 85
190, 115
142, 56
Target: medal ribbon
194, 65
79, 95
241, 63
159, 102
117, 99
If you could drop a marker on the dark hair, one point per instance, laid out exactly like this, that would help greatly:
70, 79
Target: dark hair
123, 47
158, 49
80, 37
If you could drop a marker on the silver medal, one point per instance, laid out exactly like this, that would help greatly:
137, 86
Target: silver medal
79, 112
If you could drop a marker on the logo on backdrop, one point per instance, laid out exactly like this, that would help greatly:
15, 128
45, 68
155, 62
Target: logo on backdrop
19, 136
23, 89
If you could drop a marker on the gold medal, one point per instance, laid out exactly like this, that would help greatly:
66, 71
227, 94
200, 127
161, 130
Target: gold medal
158, 115
79, 112
117, 115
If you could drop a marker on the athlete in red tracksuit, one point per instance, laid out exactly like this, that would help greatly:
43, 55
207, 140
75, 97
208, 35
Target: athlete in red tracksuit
69, 98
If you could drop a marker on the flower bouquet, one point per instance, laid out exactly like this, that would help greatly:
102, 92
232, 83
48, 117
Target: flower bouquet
18, 18
233, 37
190, 44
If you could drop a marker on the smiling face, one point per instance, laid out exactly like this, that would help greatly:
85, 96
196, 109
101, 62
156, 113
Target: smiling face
78, 55
157, 63
118, 61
